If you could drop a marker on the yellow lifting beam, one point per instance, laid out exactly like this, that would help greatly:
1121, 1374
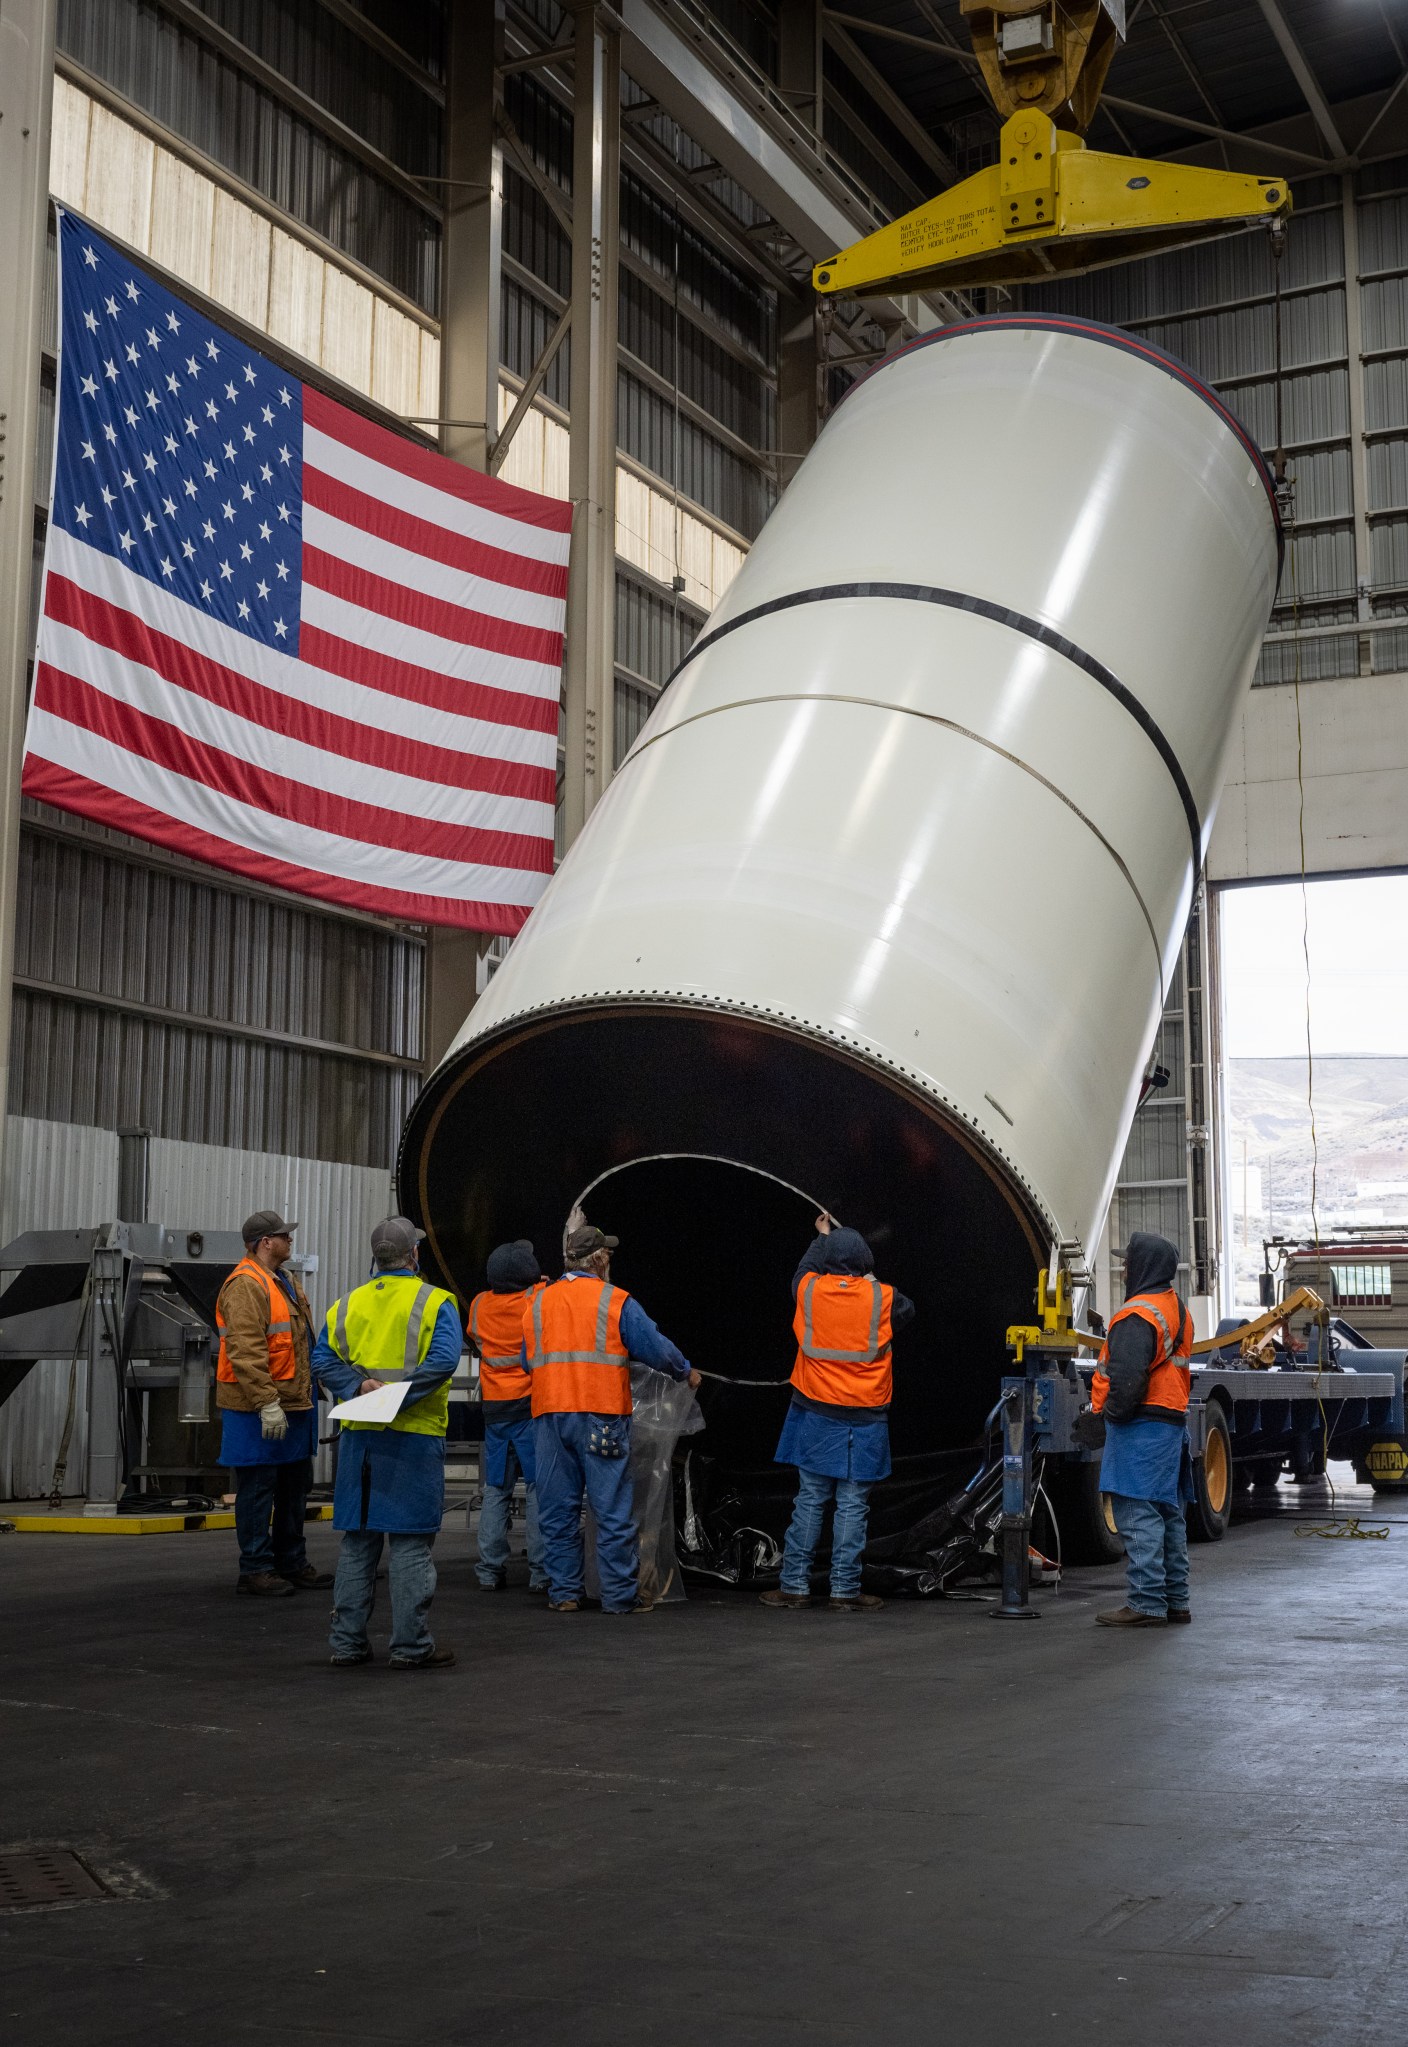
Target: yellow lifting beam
1049, 207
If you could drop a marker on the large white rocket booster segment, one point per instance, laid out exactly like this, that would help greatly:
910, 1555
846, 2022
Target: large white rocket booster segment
885, 898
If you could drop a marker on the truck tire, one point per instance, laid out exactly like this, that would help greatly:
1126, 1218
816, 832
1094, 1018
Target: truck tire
1211, 1509
1088, 1533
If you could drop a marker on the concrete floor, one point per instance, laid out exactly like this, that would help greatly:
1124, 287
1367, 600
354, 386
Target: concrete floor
711, 1826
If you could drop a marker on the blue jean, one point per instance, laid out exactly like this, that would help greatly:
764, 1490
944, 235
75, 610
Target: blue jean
1156, 1553
847, 1535
568, 1471
412, 1573
494, 1517
270, 1500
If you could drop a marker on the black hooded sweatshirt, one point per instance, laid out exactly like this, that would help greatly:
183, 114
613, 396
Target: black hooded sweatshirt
846, 1251
1150, 1267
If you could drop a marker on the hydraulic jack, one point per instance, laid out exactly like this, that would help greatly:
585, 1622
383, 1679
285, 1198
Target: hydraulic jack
1039, 1404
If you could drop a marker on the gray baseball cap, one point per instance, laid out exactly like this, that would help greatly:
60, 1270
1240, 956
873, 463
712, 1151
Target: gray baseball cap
266, 1222
586, 1240
398, 1234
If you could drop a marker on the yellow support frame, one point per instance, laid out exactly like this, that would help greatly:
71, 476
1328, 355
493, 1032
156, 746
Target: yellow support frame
1049, 208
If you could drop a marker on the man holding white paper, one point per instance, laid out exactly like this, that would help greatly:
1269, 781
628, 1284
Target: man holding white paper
397, 1339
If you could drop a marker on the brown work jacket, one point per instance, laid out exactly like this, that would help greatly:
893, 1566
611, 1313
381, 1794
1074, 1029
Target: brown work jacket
245, 1307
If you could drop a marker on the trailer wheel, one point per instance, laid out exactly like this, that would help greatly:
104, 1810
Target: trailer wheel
1088, 1532
1211, 1510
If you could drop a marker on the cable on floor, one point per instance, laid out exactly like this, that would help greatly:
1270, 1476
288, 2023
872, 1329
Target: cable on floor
1350, 1530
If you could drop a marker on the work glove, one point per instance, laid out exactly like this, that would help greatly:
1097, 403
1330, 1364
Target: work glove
1088, 1428
273, 1422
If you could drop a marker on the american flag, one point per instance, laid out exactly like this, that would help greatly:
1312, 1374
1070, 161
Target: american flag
281, 639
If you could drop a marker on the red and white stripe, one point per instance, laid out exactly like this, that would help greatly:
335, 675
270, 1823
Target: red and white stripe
404, 762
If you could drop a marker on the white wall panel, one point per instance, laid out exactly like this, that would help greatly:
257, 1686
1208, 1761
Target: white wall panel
239, 263
193, 225
208, 1187
68, 144
183, 221
347, 329
1356, 769
296, 296
58, 1176
121, 162
64, 1176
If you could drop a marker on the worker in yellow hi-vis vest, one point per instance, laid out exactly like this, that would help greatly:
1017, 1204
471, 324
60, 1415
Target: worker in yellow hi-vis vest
390, 1475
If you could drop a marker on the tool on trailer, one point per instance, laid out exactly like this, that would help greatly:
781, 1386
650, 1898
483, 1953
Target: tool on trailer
1050, 206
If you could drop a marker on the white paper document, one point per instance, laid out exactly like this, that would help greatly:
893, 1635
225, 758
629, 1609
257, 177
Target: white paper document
382, 1406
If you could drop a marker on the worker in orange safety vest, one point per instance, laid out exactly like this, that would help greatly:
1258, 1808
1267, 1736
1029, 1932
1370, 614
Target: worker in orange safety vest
268, 1410
837, 1427
1140, 1390
580, 1336
495, 1332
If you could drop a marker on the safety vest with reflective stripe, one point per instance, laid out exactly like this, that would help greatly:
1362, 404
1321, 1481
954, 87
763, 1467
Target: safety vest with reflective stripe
576, 1357
1173, 1343
496, 1331
283, 1359
842, 1326
384, 1330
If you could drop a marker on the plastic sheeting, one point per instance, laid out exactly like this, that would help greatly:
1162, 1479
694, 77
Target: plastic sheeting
663, 1410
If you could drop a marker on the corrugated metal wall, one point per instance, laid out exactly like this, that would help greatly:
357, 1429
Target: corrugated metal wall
1215, 308
57, 1177
64, 1176
158, 994
1152, 1190
208, 236
200, 94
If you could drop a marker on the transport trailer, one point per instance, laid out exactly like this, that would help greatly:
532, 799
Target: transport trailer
1260, 1405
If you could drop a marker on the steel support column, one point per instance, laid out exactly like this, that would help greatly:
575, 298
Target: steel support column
471, 262
1358, 446
472, 248
800, 374
591, 598
26, 103
799, 77
799, 407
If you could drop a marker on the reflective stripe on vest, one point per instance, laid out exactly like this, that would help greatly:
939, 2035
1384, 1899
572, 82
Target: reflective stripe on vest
854, 1373
282, 1360
567, 1376
1169, 1383
384, 1331
496, 1332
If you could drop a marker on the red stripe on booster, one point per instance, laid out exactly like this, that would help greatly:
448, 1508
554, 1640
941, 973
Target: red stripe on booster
343, 817
554, 515
82, 798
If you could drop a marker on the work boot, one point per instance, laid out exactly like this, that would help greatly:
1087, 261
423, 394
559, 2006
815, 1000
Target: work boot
1180, 1616
638, 1606
438, 1659
564, 1606
855, 1602
539, 1591
794, 1600
307, 1578
350, 1662
1129, 1617
264, 1585
498, 1584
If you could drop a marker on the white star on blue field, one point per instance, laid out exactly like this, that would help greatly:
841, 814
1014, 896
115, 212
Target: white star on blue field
180, 449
